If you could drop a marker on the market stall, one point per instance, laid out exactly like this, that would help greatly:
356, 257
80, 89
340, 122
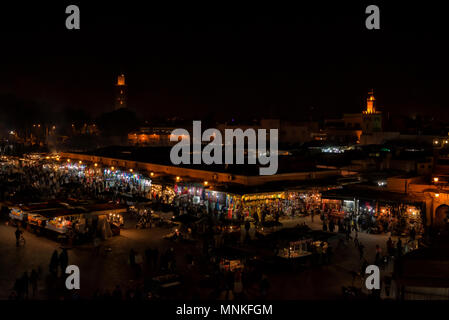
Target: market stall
36, 220
296, 249
17, 214
64, 221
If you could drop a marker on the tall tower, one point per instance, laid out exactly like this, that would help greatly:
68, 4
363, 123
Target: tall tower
371, 118
370, 101
120, 95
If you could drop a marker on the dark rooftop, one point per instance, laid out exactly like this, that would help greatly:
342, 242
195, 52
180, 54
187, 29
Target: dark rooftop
161, 155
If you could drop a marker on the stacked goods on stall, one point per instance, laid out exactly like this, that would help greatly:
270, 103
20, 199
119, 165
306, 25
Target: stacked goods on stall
21, 212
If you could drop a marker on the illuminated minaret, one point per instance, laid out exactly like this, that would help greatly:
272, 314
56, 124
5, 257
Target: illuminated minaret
120, 97
370, 101
371, 118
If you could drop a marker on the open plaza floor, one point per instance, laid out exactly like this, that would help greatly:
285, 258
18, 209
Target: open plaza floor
103, 270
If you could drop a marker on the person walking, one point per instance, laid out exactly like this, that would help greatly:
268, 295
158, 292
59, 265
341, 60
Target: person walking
348, 234
33, 281
412, 234
324, 225
331, 225
399, 247
25, 284
54, 262
238, 286
97, 246
377, 259
390, 247
63, 260
361, 250
18, 234
356, 239
247, 227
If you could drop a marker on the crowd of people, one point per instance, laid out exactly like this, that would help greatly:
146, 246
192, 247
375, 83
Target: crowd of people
369, 223
34, 180
52, 181
27, 286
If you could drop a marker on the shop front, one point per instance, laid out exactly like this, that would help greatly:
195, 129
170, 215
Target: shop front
377, 212
272, 206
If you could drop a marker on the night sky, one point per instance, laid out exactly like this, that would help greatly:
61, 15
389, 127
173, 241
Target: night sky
226, 60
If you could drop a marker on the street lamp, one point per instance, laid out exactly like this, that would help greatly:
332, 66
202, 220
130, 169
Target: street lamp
435, 179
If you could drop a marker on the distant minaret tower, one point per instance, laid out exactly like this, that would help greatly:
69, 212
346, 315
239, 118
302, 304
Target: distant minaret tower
371, 118
370, 103
120, 96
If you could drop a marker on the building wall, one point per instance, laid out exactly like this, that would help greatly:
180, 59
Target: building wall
371, 122
203, 175
353, 121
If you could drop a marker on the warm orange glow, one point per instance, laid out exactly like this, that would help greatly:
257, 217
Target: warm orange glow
370, 109
206, 183
68, 160
131, 170
435, 179
121, 80
437, 195
80, 162
95, 164
152, 174
112, 168
178, 178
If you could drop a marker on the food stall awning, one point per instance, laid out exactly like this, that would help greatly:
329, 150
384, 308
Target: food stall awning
309, 185
370, 194
62, 212
103, 208
41, 206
